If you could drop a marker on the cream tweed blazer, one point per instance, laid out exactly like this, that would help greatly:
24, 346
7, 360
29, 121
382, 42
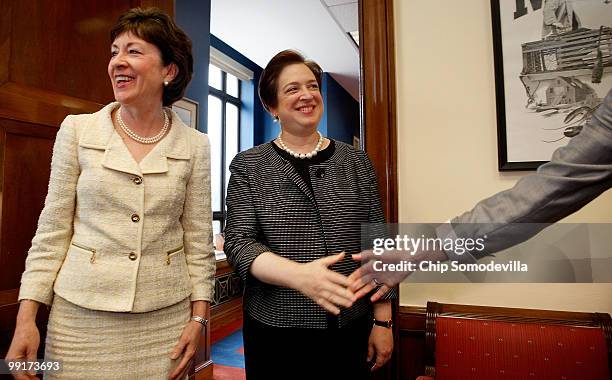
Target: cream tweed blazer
115, 235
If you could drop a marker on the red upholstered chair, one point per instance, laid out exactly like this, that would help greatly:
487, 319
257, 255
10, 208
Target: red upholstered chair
487, 343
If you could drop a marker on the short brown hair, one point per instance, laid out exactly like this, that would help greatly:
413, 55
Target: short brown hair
157, 28
268, 82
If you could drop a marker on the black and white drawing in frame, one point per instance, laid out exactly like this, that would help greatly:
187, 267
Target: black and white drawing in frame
553, 67
187, 110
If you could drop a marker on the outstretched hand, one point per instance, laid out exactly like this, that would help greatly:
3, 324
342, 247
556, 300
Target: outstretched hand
387, 270
327, 288
366, 278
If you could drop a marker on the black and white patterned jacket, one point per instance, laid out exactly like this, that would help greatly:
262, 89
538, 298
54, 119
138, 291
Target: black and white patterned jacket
271, 208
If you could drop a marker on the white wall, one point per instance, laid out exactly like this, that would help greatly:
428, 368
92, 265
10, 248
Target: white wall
447, 149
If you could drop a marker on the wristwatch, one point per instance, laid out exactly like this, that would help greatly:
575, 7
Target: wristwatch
388, 324
202, 321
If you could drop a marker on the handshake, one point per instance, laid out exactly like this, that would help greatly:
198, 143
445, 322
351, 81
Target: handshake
387, 269
395, 251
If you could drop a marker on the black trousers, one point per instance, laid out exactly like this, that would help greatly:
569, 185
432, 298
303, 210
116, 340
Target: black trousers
314, 354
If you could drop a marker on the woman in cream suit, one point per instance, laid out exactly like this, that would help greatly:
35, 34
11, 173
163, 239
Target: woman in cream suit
123, 251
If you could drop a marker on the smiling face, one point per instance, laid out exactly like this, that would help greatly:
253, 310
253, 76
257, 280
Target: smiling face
136, 71
299, 102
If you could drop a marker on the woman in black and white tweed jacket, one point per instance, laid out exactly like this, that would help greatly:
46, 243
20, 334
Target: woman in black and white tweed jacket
295, 210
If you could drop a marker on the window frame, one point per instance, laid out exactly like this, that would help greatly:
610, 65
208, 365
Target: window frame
225, 98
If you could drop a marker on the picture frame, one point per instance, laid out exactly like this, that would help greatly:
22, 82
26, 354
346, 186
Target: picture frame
187, 110
553, 68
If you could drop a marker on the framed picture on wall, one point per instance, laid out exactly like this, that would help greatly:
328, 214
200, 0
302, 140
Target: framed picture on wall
187, 110
553, 67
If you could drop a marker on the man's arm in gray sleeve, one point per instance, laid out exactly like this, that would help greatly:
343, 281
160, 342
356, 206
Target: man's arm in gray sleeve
577, 173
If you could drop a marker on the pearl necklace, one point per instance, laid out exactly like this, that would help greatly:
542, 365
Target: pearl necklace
311, 154
140, 139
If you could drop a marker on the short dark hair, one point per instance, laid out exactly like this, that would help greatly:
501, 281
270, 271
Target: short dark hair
157, 28
268, 81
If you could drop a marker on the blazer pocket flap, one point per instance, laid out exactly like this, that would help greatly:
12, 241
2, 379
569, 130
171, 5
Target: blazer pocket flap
87, 250
83, 247
174, 252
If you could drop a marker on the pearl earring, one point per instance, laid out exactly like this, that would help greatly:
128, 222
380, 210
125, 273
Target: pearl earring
166, 83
